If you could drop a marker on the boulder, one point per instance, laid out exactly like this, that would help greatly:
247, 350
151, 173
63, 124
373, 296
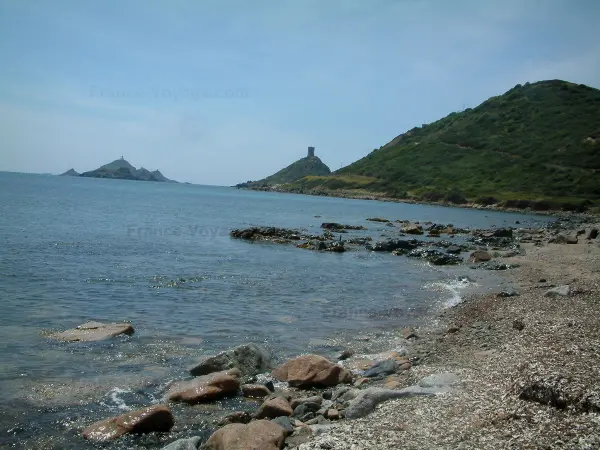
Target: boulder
394, 244
250, 359
479, 256
386, 367
559, 291
93, 331
308, 371
366, 401
146, 420
205, 388
255, 390
412, 228
184, 444
274, 407
260, 434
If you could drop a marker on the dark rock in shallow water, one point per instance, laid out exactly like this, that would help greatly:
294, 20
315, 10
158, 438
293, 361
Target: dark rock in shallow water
251, 359
454, 250
236, 417
435, 257
273, 234
205, 388
146, 420
394, 244
338, 226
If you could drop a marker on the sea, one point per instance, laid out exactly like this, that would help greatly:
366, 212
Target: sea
159, 255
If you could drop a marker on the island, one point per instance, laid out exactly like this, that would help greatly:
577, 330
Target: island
122, 170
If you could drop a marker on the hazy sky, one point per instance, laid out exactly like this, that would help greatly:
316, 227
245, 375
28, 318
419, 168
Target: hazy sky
219, 92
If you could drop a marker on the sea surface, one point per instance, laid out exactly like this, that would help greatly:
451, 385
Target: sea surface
160, 256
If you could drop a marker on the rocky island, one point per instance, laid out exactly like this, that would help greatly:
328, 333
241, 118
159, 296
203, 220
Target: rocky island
123, 170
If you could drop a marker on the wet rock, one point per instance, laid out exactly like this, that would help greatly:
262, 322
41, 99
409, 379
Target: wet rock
255, 390
146, 420
394, 244
308, 371
205, 388
301, 411
273, 234
559, 291
259, 434
453, 329
377, 219
93, 331
454, 250
285, 423
269, 385
236, 417
435, 257
338, 226
274, 407
479, 256
301, 401
593, 234
382, 368
494, 265
250, 359
366, 401
412, 228
184, 444
518, 324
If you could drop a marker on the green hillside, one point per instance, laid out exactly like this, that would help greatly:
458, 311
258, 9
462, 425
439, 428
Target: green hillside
307, 166
539, 141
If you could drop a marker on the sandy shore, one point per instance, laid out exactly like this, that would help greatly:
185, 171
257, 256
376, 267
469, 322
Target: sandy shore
529, 365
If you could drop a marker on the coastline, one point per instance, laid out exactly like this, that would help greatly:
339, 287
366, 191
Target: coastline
525, 366
383, 198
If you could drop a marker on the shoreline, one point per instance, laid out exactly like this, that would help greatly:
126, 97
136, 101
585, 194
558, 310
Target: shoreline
385, 199
513, 356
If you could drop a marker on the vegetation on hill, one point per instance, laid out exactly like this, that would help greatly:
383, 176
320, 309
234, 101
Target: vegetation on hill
308, 166
536, 144
121, 169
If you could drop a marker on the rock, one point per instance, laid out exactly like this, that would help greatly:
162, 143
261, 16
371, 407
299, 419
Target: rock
434, 256
377, 219
184, 444
236, 417
318, 420
412, 229
94, 331
503, 232
360, 381
303, 409
518, 324
394, 244
308, 371
260, 434
205, 388
559, 291
300, 436
562, 239
440, 380
453, 329
366, 401
255, 390
250, 359
277, 235
274, 407
338, 226
382, 368
409, 333
593, 234
142, 421
300, 401
479, 256
454, 250
493, 265
285, 423
505, 294
345, 355
404, 366
270, 386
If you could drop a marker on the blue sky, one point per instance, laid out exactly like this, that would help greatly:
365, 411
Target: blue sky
219, 92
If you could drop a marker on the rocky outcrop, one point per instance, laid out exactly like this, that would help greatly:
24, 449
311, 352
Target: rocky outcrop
257, 435
412, 228
308, 371
250, 359
334, 226
273, 234
394, 244
205, 388
333, 246
146, 420
93, 331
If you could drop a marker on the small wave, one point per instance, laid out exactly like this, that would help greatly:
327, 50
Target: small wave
455, 287
115, 401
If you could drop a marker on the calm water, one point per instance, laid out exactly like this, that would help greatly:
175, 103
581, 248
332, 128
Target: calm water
160, 256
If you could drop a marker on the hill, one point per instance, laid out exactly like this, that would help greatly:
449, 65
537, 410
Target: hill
310, 165
537, 143
70, 173
123, 170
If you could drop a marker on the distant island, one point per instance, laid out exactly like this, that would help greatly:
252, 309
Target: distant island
122, 170
310, 165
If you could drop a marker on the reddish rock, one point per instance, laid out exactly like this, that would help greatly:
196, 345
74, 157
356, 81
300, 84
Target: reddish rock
93, 331
255, 390
257, 435
275, 407
404, 366
308, 371
147, 420
333, 414
412, 229
205, 388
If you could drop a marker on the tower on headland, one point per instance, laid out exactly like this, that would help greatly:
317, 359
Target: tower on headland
311, 151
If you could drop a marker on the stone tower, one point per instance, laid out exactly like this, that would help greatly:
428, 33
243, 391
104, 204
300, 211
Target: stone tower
311, 151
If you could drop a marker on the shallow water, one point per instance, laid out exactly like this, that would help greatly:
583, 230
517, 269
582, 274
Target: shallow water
160, 256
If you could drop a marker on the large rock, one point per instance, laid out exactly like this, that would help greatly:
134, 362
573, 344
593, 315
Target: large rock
308, 371
412, 228
368, 399
255, 390
257, 435
251, 359
184, 444
274, 407
93, 331
146, 420
205, 388
479, 256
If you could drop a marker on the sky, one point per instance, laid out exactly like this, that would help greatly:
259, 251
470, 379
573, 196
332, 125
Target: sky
223, 91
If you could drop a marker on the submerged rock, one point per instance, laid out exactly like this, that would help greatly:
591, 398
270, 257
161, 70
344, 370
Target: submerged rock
94, 331
308, 371
260, 434
205, 388
146, 420
338, 226
250, 359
